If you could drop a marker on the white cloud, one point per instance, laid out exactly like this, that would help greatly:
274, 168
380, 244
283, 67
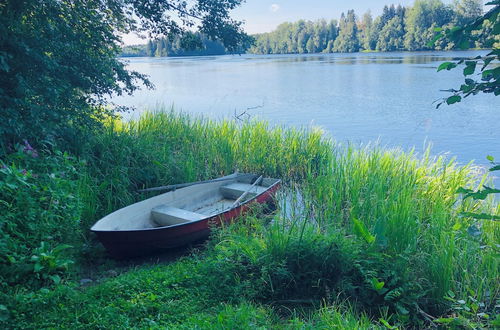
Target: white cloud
274, 7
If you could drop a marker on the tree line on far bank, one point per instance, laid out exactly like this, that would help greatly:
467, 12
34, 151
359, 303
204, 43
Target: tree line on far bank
397, 28
188, 44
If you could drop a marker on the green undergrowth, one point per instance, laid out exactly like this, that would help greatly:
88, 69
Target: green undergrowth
185, 294
361, 237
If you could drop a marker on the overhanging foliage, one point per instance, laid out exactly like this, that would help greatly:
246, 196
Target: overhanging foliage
58, 62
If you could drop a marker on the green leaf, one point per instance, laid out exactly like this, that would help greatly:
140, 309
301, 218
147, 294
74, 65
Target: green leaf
451, 294
447, 66
61, 247
495, 168
470, 67
55, 278
490, 158
431, 43
466, 88
490, 190
494, 52
401, 309
376, 285
453, 99
37, 267
481, 216
481, 194
496, 321
386, 324
362, 232
491, 74
487, 61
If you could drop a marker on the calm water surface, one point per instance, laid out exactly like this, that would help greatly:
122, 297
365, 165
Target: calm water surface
360, 98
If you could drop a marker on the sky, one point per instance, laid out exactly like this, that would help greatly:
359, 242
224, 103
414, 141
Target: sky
265, 15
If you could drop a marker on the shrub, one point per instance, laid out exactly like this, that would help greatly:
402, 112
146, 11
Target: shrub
40, 212
297, 264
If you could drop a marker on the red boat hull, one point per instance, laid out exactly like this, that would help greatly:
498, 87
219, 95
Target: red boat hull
131, 243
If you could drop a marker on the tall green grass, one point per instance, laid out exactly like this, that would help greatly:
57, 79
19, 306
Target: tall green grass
407, 204
167, 148
380, 229
411, 208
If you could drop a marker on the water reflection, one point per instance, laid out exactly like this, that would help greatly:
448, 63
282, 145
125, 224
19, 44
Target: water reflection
350, 59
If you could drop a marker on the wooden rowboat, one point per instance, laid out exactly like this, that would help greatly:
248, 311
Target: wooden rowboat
181, 216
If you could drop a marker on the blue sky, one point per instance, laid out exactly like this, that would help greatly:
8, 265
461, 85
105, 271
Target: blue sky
265, 15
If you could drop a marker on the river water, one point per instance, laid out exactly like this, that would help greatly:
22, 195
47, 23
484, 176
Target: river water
359, 98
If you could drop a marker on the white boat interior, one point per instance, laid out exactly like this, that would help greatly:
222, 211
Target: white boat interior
187, 204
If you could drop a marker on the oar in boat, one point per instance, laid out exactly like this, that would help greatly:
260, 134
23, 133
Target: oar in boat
182, 185
236, 202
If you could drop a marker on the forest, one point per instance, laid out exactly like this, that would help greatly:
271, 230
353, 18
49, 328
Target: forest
191, 44
398, 28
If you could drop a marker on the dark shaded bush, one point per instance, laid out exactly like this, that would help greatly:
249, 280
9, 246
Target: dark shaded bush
290, 264
39, 216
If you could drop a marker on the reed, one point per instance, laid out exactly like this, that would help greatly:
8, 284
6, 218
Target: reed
410, 207
166, 147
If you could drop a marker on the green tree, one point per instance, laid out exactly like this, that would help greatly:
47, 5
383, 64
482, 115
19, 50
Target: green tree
302, 37
347, 40
58, 58
329, 47
391, 38
310, 47
333, 31
374, 33
387, 14
366, 30
422, 19
150, 48
467, 11
160, 48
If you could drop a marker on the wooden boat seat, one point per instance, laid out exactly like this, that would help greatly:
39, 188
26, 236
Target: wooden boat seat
235, 190
165, 215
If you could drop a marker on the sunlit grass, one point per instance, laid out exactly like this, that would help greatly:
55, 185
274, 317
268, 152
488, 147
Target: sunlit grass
167, 148
411, 207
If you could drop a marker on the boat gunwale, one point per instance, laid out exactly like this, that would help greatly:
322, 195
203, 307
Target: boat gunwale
278, 181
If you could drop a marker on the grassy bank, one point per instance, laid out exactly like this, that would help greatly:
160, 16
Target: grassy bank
362, 238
